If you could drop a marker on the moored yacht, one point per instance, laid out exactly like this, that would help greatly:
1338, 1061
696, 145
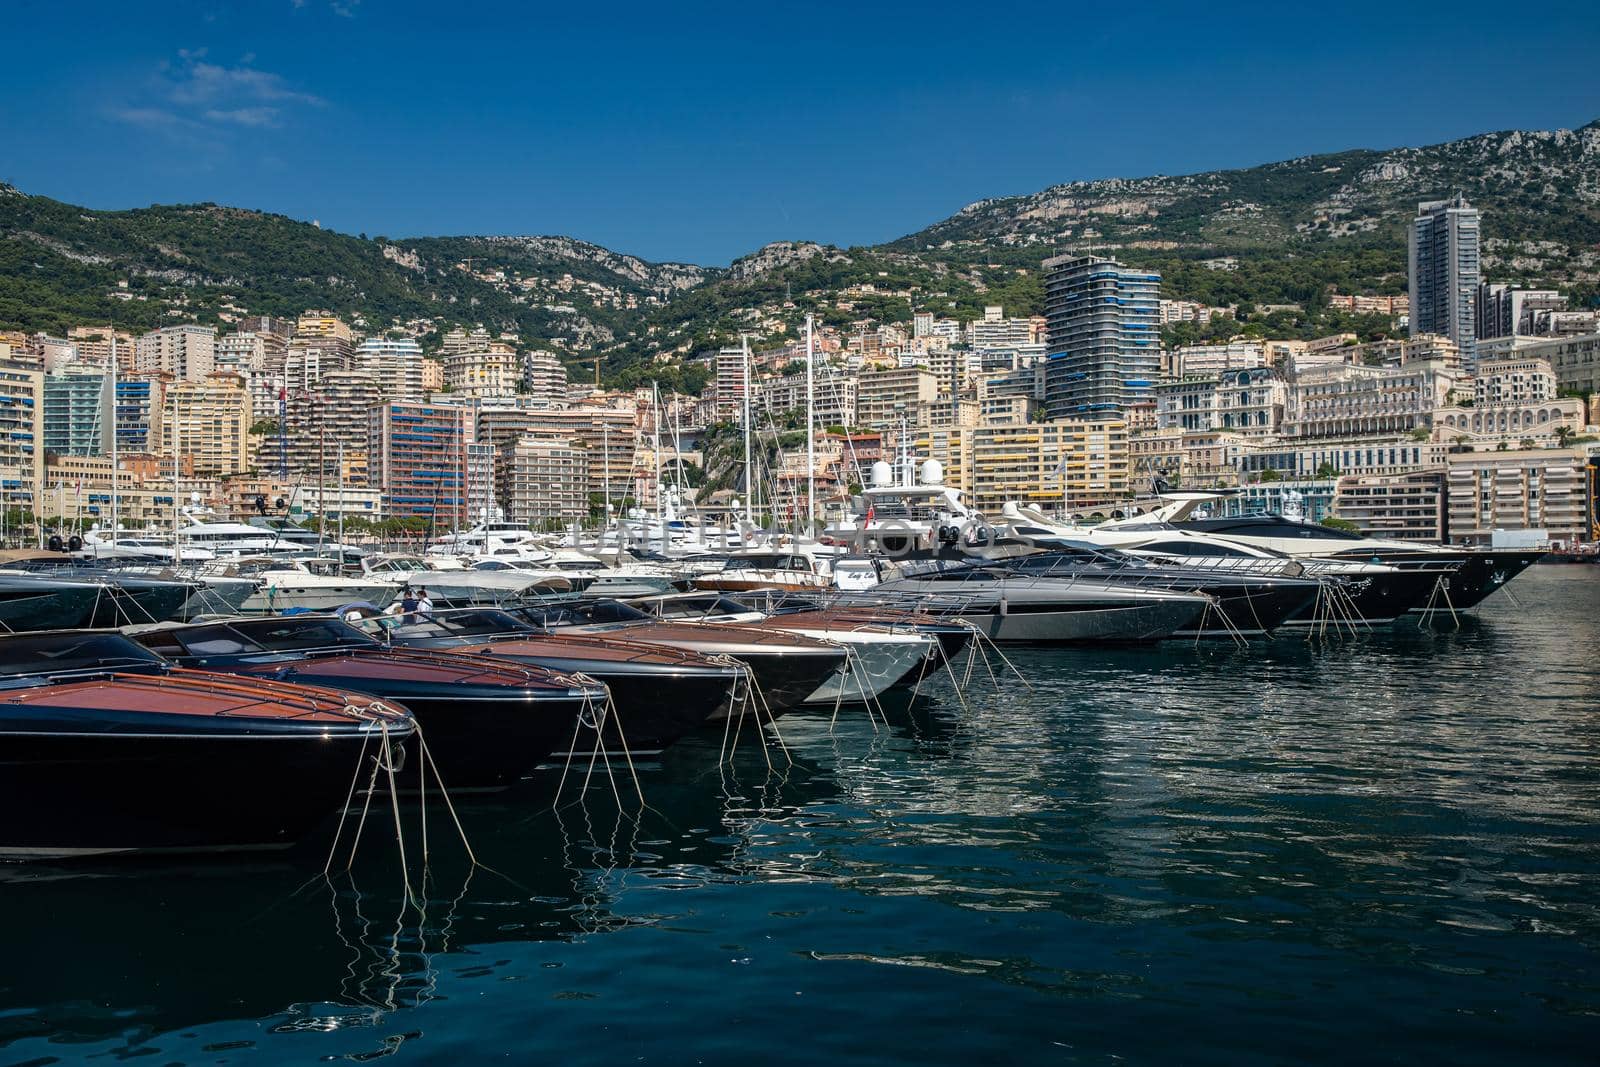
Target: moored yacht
449, 582
1010, 607
1372, 593
487, 722
797, 567
786, 667
307, 585
659, 693
1473, 573
107, 750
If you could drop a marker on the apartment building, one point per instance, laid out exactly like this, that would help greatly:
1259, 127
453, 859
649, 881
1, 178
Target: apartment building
22, 451
397, 363
487, 375
247, 351
188, 353
1444, 272
1104, 336
836, 397
885, 396
208, 421
1083, 463
95, 345
539, 479
316, 422
1513, 400
731, 374
608, 433
424, 459
1249, 401
1294, 459
1543, 489
81, 486
1404, 506
544, 378
1575, 360
1204, 361
76, 413
138, 418
1503, 311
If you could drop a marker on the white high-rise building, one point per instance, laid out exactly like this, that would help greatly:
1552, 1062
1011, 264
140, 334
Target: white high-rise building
397, 363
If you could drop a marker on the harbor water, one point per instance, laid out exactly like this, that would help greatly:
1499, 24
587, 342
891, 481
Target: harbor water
1383, 847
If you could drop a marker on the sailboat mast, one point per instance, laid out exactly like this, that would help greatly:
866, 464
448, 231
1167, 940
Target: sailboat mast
811, 429
749, 481
655, 449
112, 374
340, 461
176, 450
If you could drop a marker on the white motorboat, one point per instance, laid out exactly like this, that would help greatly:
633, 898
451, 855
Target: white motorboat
798, 568
484, 539
313, 585
450, 582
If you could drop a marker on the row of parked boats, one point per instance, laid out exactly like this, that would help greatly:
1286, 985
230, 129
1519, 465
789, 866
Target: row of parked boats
175, 727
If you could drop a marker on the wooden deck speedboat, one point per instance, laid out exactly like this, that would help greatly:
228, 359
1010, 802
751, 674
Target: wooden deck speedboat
487, 722
660, 693
787, 667
106, 749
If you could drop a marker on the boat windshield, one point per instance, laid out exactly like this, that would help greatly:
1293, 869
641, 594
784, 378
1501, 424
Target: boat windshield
598, 611
468, 623
31, 654
767, 561
688, 607
268, 635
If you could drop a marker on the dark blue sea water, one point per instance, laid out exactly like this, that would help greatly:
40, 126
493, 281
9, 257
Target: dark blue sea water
1384, 848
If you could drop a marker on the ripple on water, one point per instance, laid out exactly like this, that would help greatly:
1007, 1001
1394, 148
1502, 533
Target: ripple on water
1385, 846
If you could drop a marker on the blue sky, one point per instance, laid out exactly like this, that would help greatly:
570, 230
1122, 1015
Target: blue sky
699, 132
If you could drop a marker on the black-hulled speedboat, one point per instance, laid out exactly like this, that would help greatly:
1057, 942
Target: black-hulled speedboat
486, 722
660, 693
786, 667
106, 749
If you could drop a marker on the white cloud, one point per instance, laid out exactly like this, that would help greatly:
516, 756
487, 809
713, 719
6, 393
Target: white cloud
194, 95
152, 117
245, 116
199, 82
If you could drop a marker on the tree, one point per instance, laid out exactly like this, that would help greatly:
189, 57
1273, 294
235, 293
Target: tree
1333, 522
1327, 470
1564, 435
1270, 475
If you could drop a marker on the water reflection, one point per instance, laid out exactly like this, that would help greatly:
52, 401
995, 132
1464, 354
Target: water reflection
1392, 837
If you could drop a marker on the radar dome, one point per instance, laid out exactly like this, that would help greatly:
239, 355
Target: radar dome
882, 473
932, 472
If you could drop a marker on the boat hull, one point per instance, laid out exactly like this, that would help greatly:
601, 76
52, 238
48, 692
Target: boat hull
653, 707
275, 599
480, 742
28, 604
1150, 621
155, 792
1377, 599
